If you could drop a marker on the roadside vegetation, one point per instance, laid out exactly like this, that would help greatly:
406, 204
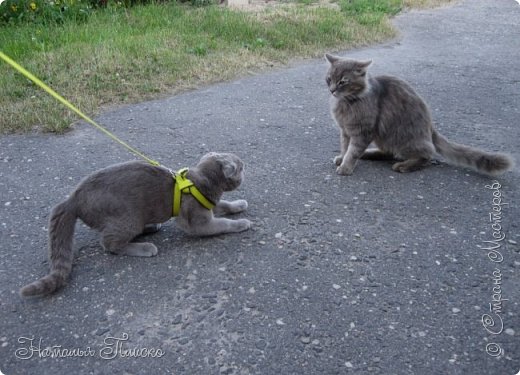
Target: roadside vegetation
101, 54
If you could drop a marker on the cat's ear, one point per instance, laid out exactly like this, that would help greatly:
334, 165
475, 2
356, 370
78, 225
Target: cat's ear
331, 59
228, 164
229, 168
361, 67
364, 64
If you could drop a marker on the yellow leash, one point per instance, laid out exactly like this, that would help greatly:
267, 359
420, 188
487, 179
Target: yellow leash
182, 184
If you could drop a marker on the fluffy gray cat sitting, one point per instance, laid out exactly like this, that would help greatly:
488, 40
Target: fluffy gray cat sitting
125, 200
387, 111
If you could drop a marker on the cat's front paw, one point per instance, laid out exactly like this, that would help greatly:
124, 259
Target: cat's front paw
239, 205
338, 160
150, 250
344, 170
242, 225
139, 249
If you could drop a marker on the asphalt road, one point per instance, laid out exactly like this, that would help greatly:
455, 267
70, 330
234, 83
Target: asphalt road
376, 273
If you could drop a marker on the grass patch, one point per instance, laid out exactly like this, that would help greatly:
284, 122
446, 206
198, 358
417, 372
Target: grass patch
124, 55
421, 4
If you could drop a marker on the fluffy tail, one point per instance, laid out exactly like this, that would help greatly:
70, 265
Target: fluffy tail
484, 162
61, 231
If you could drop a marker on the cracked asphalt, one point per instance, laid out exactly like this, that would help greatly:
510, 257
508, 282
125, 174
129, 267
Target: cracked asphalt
375, 273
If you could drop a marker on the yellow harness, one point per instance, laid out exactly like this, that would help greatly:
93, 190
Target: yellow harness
185, 186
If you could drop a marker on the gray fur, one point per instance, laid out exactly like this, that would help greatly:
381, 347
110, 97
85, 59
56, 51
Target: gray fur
387, 111
125, 200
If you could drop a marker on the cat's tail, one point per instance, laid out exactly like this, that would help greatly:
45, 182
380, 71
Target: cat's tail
484, 162
61, 231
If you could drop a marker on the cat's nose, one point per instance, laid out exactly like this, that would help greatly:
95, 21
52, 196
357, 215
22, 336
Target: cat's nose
332, 91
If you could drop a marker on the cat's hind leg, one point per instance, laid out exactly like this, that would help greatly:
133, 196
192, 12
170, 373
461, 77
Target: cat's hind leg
225, 207
116, 238
415, 158
410, 165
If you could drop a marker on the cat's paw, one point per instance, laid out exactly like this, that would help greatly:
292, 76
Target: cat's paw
410, 165
399, 167
242, 225
239, 205
139, 249
344, 171
150, 250
338, 160
404, 167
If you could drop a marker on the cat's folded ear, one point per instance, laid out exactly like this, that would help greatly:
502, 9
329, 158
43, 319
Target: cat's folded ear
228, 165
229, 168
330, 58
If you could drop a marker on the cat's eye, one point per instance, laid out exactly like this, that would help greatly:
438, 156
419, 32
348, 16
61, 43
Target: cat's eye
328, 80
344, 81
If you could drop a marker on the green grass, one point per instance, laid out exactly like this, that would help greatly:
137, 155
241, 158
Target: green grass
370, 12
127, 55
